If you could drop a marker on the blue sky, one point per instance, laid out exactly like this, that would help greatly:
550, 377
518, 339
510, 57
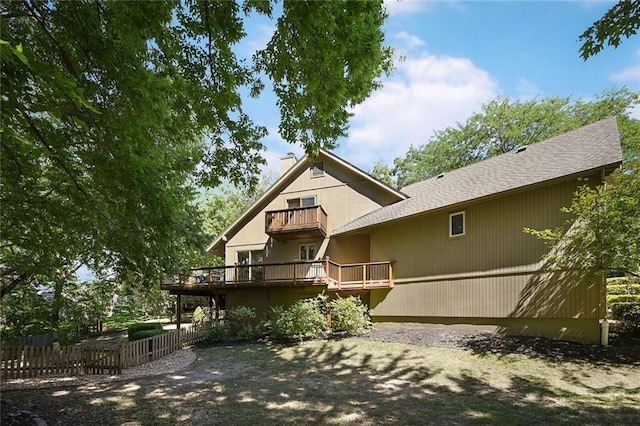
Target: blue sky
457, 56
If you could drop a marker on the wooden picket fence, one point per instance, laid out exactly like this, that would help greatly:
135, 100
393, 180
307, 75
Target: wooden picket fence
32, 361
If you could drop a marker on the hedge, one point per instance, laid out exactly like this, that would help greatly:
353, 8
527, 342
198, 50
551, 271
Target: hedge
622, 281
623, 289
623, 298
134, 328
143, 334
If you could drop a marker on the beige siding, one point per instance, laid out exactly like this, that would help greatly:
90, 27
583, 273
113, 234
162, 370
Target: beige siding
494, 239
493, 274
351, 249
539, 295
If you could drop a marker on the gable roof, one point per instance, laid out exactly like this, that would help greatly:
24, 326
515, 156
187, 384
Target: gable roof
283, 181
588, 148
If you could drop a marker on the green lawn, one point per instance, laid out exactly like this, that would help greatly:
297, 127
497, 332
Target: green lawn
354, 381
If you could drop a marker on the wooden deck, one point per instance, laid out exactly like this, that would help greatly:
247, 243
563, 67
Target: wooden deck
357, 276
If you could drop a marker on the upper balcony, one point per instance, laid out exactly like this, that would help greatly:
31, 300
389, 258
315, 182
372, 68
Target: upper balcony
296, 223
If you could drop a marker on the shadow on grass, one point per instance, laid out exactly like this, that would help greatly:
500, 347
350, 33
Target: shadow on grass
329, 383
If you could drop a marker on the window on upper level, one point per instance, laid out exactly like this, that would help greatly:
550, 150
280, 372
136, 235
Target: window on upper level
294, 203
456, 224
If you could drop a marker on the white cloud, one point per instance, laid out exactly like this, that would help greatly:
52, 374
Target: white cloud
409, 40
527, 90
426, 94
630, 74
400, 7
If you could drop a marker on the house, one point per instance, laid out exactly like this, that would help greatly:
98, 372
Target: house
447, 250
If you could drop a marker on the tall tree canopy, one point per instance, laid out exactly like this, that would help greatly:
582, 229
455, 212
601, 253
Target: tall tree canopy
621, 21
113, 112
502, 125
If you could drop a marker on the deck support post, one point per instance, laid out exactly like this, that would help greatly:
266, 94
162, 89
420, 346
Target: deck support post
179, 312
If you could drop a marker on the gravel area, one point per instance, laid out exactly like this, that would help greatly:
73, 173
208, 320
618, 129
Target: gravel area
177, 361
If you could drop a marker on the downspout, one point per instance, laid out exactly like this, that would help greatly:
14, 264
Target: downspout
604, 329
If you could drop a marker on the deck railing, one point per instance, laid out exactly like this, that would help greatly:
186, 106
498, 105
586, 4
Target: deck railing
321, 272
301, 219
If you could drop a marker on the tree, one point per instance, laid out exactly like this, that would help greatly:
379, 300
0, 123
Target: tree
503, 125
604, 229
622, 20
224, 206
113, 113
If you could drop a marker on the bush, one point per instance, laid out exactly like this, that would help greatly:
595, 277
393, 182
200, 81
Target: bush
304, 319
141, 326
623, 298
615, 289
622, 281
628, 314
349, 315
219, 333
143, 334
618, 310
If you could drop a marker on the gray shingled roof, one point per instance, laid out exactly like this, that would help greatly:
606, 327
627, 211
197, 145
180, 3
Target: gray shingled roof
590, 147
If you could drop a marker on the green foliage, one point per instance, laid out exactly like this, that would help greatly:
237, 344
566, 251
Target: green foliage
224, 206
304, 319
503, 125
622, 281
349, 315
604, 232
241, 323
628, 314
143, 326
623, 298
114, 113
324, 58
626, 289
143, 334
622, 20
219, 333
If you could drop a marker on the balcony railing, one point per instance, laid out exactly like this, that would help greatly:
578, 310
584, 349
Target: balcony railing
302, 222
323, 272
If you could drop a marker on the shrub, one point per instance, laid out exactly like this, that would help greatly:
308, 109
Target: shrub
618, 310
143, 334
622, 281
219, 333
349, 315
615, 289
628, 314
623, 298
304, 319
140, 326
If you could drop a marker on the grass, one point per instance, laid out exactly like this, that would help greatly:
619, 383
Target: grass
354, 381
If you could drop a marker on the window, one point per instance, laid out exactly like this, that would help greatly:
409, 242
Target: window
295, 203
456, 224
317, 169
246, 258
307, 251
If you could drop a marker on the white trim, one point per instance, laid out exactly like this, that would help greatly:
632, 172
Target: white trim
464, 224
